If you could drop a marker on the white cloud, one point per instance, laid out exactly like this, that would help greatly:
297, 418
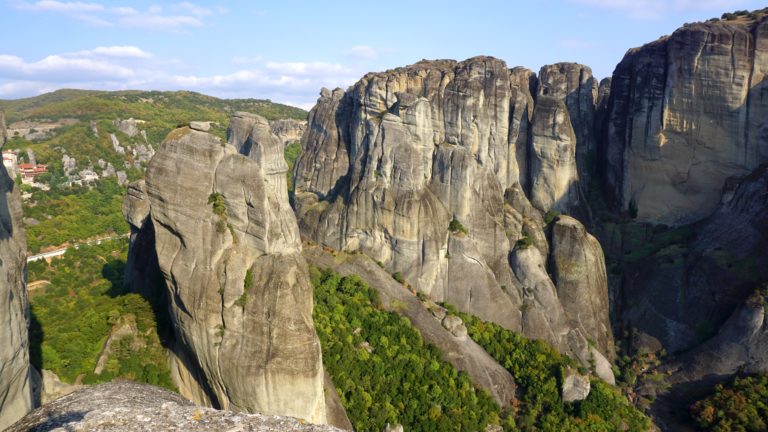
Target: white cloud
57, 6
115, 51
130, 67
193, 9
160, 22
362, 52
97, 14
56, 68
652, 9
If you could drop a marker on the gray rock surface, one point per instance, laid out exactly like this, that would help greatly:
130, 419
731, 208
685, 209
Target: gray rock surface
575, 387
388, 165
227, 245
288, 130
578, 271
686, 112
53, 387
15, 385
126, 406
129, 127
201, 126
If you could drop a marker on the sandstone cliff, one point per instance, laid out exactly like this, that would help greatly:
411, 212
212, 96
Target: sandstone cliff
122, 406
227, 245
686, 112
15, 385
429, 169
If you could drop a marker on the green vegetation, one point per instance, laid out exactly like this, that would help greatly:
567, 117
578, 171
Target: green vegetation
399, 277
551, 216
173, 107
247, 284
291, 153
538, 370
219, 206
524, 242
77, 302
383, 370
69, 214
741, 405
456, 227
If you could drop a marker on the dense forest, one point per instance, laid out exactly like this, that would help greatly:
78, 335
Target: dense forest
79, 300
741, 405
538, 370
382, 368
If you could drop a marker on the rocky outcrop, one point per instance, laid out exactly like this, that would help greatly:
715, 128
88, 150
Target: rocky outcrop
686, 112
429, 170
577, 265
288, 130
227, 246
126, 406
15, 385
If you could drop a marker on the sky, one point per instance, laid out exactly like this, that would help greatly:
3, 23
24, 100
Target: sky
287, 50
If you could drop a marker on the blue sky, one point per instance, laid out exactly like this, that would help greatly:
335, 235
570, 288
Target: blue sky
287, 50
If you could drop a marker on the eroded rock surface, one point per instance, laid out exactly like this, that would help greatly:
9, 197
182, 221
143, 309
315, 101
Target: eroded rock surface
438, 169
15, 385
288, 130
227, 245
686, 112
126, 406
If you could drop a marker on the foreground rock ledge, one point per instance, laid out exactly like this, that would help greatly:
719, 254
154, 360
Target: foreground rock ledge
130, 406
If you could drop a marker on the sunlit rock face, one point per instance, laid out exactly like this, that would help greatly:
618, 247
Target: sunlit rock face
685, 113
436, 170
228, 248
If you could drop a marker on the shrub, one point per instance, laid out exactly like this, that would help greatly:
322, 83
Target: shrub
737, 406
398, 277
551, 216
456, 227
524, 243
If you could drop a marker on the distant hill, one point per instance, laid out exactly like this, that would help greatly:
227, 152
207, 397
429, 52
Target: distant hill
176, 106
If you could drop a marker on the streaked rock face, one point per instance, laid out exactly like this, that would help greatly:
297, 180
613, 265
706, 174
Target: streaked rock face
15, 386
228, 247
685, 113
388, 165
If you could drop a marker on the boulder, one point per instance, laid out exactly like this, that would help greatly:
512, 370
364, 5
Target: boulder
127, 406
575, 387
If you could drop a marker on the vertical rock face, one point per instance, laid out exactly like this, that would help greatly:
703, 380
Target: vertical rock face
228, 247
685, 113
426, 169
563, 140
15, 386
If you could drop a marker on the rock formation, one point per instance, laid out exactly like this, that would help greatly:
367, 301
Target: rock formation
15, 385
288, 130
686, 112
227, 245
429, 170
124, 406
695, 288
